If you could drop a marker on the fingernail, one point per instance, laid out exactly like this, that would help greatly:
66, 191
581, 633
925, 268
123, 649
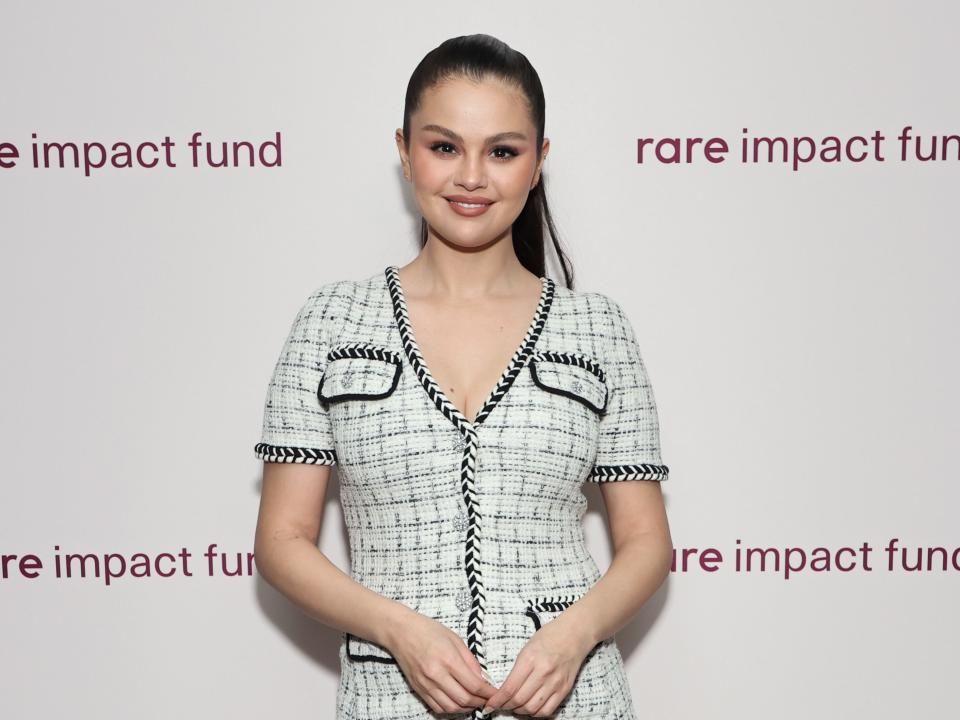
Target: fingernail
487, 710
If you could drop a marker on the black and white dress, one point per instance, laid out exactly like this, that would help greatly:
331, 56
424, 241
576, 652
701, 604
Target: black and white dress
476, 524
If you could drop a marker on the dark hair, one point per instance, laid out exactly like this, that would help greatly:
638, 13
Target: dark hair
475, 57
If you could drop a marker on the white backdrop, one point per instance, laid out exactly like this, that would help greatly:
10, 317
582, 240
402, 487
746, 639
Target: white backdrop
796, 326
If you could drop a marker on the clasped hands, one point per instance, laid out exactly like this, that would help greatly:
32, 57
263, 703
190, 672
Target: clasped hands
447, 676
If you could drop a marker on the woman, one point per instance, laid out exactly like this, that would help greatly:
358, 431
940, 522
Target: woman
465, 398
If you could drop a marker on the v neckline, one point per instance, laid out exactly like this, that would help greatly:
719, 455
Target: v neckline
422, 371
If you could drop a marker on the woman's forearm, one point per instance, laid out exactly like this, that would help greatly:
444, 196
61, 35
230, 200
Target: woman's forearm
638, 568
299, 570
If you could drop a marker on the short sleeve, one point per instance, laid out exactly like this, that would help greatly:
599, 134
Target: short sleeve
296, 426
629, 442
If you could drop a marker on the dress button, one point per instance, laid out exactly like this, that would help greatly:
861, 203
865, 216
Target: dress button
347, 379
460, 521
463, 600
459, 444
577, 386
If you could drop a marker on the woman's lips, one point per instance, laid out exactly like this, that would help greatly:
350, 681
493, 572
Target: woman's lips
469, 209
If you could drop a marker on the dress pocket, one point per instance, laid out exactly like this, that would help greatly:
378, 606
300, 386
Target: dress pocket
360, 650
590, 696
359, 371
543, 609
572, 375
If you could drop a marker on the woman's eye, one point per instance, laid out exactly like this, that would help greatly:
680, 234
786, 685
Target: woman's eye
501, 152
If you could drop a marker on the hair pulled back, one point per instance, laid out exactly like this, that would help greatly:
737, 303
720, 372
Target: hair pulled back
477, 57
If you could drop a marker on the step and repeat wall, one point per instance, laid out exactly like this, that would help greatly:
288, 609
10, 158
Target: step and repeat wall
770, 192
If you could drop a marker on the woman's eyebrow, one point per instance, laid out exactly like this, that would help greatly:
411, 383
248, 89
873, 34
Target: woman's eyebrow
509, 135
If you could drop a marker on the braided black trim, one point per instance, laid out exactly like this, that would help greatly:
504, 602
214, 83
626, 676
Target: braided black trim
363, 350
568, 358
547, 604
643, 471
288, 454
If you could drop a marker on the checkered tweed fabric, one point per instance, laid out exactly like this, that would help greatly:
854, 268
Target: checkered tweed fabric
475, 523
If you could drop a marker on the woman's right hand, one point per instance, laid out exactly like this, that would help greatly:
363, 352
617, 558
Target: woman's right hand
439, 665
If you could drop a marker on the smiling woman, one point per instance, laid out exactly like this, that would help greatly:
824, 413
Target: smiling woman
465, 399
473, 133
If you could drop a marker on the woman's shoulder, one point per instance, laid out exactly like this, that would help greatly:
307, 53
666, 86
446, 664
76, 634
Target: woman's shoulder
591, 304
332, 303
600, 318
342, 289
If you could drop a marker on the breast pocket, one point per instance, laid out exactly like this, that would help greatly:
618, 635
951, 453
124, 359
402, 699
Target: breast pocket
359, 371
571, 375
357, 389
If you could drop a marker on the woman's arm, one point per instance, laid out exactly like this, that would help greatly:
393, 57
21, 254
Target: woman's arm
287, 557
642, 556
643, 551
433, 657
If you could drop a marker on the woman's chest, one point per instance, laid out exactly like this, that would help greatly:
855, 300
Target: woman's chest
467, 348
391, 420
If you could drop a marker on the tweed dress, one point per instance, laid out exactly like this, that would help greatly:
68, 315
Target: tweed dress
475, 523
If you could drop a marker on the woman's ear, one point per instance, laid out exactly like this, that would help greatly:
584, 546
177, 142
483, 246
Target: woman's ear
402, 149
544, 149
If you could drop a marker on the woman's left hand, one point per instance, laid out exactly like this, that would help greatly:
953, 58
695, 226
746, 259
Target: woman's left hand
543, 673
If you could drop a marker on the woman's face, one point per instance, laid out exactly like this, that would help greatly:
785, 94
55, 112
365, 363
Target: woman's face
476, 141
